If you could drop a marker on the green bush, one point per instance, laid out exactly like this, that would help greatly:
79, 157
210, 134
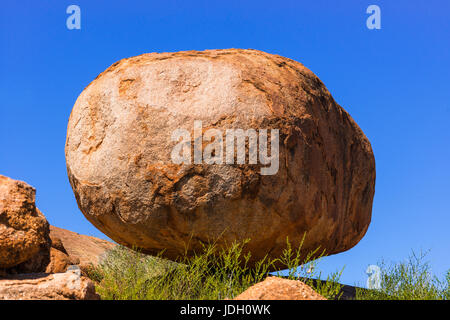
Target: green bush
213, 273
304, 269
408, 280
217, 273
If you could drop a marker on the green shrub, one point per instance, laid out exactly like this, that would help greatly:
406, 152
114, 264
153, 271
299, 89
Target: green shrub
213, 273
408, 280
304, 269
218, 273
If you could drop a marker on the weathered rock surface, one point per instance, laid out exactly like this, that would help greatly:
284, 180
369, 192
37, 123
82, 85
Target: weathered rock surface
118, 154
24, 231
59, 286
59, 261
82, 249
274, 288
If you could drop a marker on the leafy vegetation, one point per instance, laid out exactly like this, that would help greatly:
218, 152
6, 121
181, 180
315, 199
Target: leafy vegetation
223, 273
408, 280
214, 273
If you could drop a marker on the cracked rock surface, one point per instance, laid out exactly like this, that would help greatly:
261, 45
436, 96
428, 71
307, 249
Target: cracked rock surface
118, 154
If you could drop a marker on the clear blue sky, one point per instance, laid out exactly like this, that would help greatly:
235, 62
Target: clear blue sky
394, 82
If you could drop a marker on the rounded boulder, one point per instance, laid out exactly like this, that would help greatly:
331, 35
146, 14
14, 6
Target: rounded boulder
152, 166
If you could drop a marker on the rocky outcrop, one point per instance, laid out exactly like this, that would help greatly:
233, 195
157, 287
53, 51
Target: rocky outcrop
29, 245
59, 261
34, 263
121, 165
59, 286
83, 250
274, 288
24, 231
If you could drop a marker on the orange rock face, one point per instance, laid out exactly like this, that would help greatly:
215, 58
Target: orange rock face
59, 261
274, 288
69, 285
24, 231
83, 250
118, 154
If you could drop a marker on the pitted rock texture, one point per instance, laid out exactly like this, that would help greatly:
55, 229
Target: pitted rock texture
118, 154
24, 231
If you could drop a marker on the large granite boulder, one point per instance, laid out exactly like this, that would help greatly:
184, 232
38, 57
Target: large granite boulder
24, 231
137, 134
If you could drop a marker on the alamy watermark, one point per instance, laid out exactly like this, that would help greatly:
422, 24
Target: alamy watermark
374, 20
374, 277
235, 141
74, 20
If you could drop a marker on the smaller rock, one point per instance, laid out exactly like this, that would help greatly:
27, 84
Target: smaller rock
59, 286
57, 243
275, 288
83, 250
24, 231
59, 258
59, 261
